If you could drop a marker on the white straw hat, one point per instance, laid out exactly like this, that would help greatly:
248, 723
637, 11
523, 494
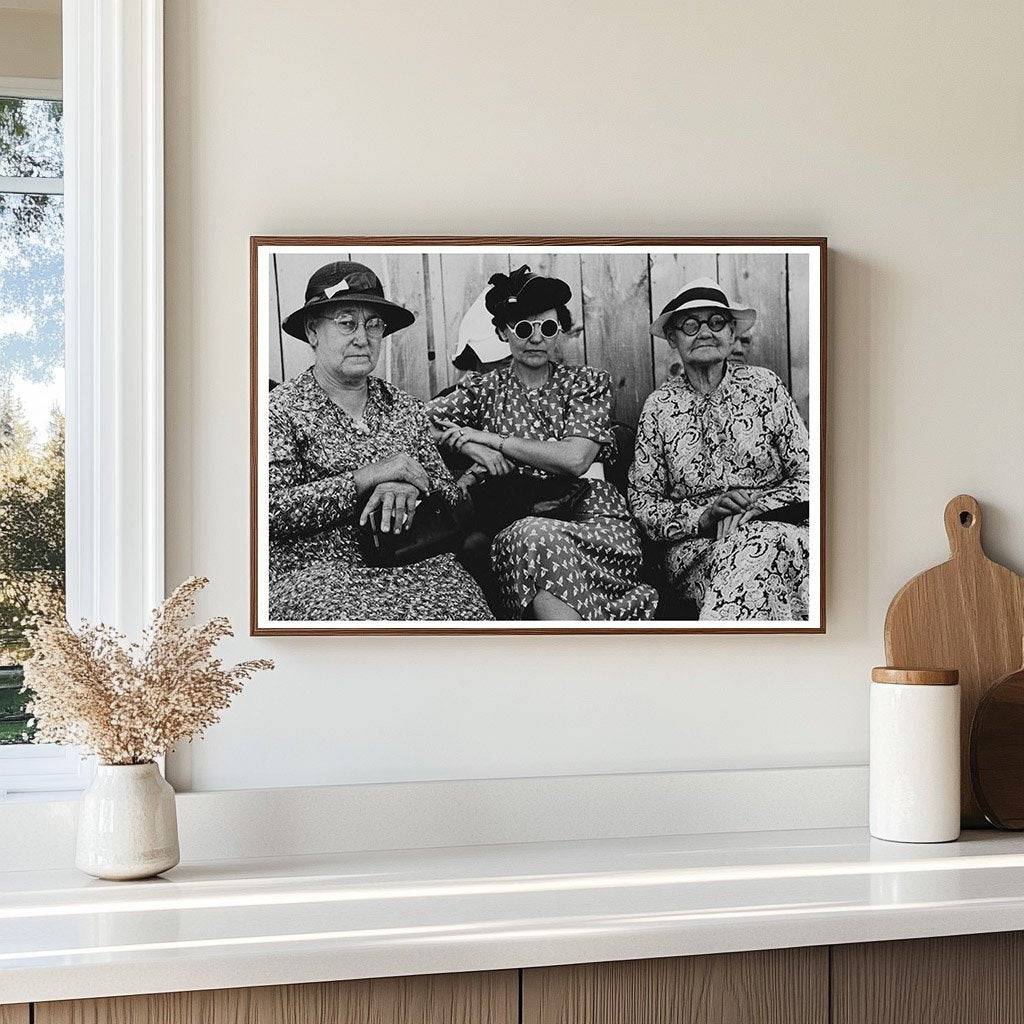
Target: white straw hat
703, 293
477, 332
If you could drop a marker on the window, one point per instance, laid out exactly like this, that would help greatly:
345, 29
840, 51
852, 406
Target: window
108, 206
32, 512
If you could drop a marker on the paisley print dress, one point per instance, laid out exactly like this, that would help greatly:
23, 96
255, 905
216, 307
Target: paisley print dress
316, 569
591, 563
690, 448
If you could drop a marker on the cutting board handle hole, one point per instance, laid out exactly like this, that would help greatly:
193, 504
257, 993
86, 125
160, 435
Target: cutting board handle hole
962, 519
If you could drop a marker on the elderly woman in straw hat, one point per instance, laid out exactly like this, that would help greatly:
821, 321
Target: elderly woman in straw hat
721, 469
343, 446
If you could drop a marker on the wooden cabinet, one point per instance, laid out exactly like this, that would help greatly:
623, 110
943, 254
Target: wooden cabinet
776, 986
970, 979
962, 979
491, 998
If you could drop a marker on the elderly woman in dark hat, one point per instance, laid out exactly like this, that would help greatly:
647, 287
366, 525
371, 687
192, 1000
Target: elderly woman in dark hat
541, 419
343, 446
721, 468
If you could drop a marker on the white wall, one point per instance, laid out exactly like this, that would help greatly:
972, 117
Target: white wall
30, 39
895, 129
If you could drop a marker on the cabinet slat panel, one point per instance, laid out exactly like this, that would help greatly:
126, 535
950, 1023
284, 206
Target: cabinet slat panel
14, 1013
961, 979
478, 998
779, 986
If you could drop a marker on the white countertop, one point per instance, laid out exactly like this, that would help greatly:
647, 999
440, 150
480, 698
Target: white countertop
261, 922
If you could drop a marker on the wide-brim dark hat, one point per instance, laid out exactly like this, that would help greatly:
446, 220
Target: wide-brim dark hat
522, 293
340, 284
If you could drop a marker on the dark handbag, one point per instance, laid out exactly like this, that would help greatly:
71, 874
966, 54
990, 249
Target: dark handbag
796, 513
500, 501
436, 529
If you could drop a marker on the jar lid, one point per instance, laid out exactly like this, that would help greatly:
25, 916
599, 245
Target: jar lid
916, 676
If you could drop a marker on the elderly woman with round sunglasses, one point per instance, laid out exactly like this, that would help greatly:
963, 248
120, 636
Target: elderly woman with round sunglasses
720, 474
345, 446
540, 418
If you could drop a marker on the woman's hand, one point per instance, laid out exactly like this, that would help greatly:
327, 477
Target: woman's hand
472, 476
487, 458
457, 437
399, 468
731, 523
397, 502
730, 505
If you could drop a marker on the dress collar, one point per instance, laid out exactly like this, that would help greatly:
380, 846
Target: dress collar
723, 387
377, 391
511, 374
378, 399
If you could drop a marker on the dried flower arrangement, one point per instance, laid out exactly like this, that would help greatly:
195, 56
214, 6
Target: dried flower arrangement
130, 703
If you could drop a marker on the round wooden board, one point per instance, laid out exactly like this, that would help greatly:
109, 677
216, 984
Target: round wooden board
997, 752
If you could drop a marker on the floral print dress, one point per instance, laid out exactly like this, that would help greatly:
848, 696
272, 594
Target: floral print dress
591, 563
317, 572
690, 448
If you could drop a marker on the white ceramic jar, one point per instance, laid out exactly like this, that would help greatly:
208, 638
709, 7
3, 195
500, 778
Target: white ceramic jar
127, 824
915, 755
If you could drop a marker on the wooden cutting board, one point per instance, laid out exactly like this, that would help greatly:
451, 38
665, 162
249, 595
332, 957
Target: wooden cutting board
967, 614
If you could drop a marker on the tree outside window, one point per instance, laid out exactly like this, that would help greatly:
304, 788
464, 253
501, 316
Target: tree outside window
32, 554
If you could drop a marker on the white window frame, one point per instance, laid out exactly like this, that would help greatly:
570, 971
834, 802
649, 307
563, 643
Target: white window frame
32, 88
114, 335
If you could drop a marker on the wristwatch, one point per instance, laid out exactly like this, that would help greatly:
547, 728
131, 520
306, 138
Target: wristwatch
501, 444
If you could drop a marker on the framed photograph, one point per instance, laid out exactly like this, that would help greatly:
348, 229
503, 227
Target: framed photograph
537, 435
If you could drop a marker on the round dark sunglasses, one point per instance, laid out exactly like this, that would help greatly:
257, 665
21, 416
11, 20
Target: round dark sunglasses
691, 325
525, 328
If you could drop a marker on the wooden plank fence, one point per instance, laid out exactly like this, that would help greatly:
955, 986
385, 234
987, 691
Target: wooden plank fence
615, 297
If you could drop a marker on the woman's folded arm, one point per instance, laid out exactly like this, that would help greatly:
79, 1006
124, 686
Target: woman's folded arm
307, 508
297, 506
666, 519
662, 517
789, 437
572, 456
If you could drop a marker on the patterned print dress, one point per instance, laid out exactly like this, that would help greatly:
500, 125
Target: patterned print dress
591, 563
690, 448
316, 569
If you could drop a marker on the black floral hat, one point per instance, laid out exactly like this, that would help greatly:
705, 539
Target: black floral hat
523, 293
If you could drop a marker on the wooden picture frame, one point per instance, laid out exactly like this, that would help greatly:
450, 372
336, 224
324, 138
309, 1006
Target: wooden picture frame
759, 271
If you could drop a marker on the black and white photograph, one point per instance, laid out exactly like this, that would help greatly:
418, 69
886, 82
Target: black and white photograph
537, 435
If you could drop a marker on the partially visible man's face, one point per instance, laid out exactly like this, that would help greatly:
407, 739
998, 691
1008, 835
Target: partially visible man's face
740, 352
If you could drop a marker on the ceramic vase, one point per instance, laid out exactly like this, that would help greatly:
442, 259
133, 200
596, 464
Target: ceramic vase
127, 825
